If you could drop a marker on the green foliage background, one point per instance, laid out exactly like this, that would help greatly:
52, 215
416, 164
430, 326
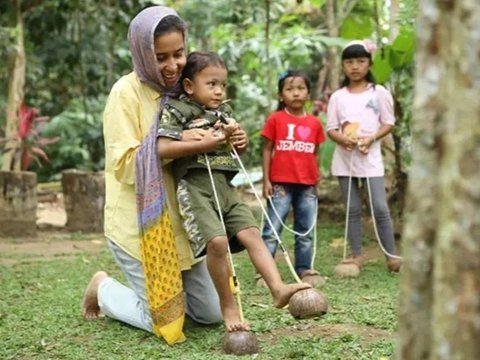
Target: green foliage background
76, 49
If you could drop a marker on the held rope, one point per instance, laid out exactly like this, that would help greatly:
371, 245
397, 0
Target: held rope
234, 284
372, 213
292, 231
264, 211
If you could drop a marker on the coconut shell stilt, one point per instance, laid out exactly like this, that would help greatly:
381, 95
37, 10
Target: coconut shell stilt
308, 303
347, 270
240, 343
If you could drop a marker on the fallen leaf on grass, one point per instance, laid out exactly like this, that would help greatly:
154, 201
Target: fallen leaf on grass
263, 306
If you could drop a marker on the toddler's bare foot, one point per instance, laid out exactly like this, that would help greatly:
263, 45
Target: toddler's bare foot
282, 296
90, 308
232, 320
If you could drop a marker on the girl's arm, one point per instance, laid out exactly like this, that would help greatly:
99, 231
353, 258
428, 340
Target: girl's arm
333, 125
384, 130
387, 119
266, 161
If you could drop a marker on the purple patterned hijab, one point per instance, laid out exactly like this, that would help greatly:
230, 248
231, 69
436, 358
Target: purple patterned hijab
140, 39
156, 236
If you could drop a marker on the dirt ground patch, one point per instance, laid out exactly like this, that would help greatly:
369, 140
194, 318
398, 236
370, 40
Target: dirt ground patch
48, 246
53, 241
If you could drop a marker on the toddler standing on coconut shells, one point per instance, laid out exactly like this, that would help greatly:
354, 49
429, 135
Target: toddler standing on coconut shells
214, 216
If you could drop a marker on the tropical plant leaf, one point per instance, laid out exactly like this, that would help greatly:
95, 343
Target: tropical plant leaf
39, 152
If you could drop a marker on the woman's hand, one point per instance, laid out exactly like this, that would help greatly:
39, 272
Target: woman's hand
193, 134
211, 139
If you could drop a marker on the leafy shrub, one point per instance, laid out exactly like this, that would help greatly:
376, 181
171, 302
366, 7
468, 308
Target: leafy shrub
29, 143
81, 139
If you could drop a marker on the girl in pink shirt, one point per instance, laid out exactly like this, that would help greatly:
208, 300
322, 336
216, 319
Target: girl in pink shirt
360, 113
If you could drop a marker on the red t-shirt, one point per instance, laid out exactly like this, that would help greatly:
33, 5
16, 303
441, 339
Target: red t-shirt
295, 139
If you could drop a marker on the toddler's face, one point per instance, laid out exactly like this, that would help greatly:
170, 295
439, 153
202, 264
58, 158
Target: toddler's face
208, 87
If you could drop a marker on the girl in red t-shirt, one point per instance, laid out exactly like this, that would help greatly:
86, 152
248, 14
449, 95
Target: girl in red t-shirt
290, 170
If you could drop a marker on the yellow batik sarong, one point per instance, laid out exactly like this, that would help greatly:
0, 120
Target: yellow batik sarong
159, 254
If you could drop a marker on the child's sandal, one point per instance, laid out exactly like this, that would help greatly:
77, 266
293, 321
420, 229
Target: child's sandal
313, 278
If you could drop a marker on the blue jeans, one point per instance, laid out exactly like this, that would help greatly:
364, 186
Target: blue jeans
303, 199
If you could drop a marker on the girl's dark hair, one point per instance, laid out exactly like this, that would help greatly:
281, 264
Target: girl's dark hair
357, 51
168, 24
284, 76
199, 60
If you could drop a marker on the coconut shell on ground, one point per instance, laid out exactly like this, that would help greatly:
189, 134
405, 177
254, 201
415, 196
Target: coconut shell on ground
308, 303
240, 343
347, 270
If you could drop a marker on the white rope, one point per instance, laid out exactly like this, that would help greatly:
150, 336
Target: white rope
292, 231
289, 229
375, 224
229, 254
374, 221
260, 202
314, 250
347, 217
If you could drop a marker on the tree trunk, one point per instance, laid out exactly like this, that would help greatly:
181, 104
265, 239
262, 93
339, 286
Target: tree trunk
16, 81
393, 20
399, 176
18, 203
332, 54
84, 196
335, 14
267, 54
440, 286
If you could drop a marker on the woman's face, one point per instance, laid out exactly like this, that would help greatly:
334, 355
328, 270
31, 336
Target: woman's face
171, 57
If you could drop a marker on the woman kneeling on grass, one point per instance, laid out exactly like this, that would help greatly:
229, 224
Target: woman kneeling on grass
148, 242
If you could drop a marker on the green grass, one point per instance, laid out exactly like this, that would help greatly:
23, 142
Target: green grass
40, 317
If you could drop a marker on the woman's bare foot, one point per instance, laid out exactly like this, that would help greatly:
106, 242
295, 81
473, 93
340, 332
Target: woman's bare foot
282, 296
232, 319
90, 308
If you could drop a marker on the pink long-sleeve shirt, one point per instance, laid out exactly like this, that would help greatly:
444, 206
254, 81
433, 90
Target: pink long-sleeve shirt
367, 110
